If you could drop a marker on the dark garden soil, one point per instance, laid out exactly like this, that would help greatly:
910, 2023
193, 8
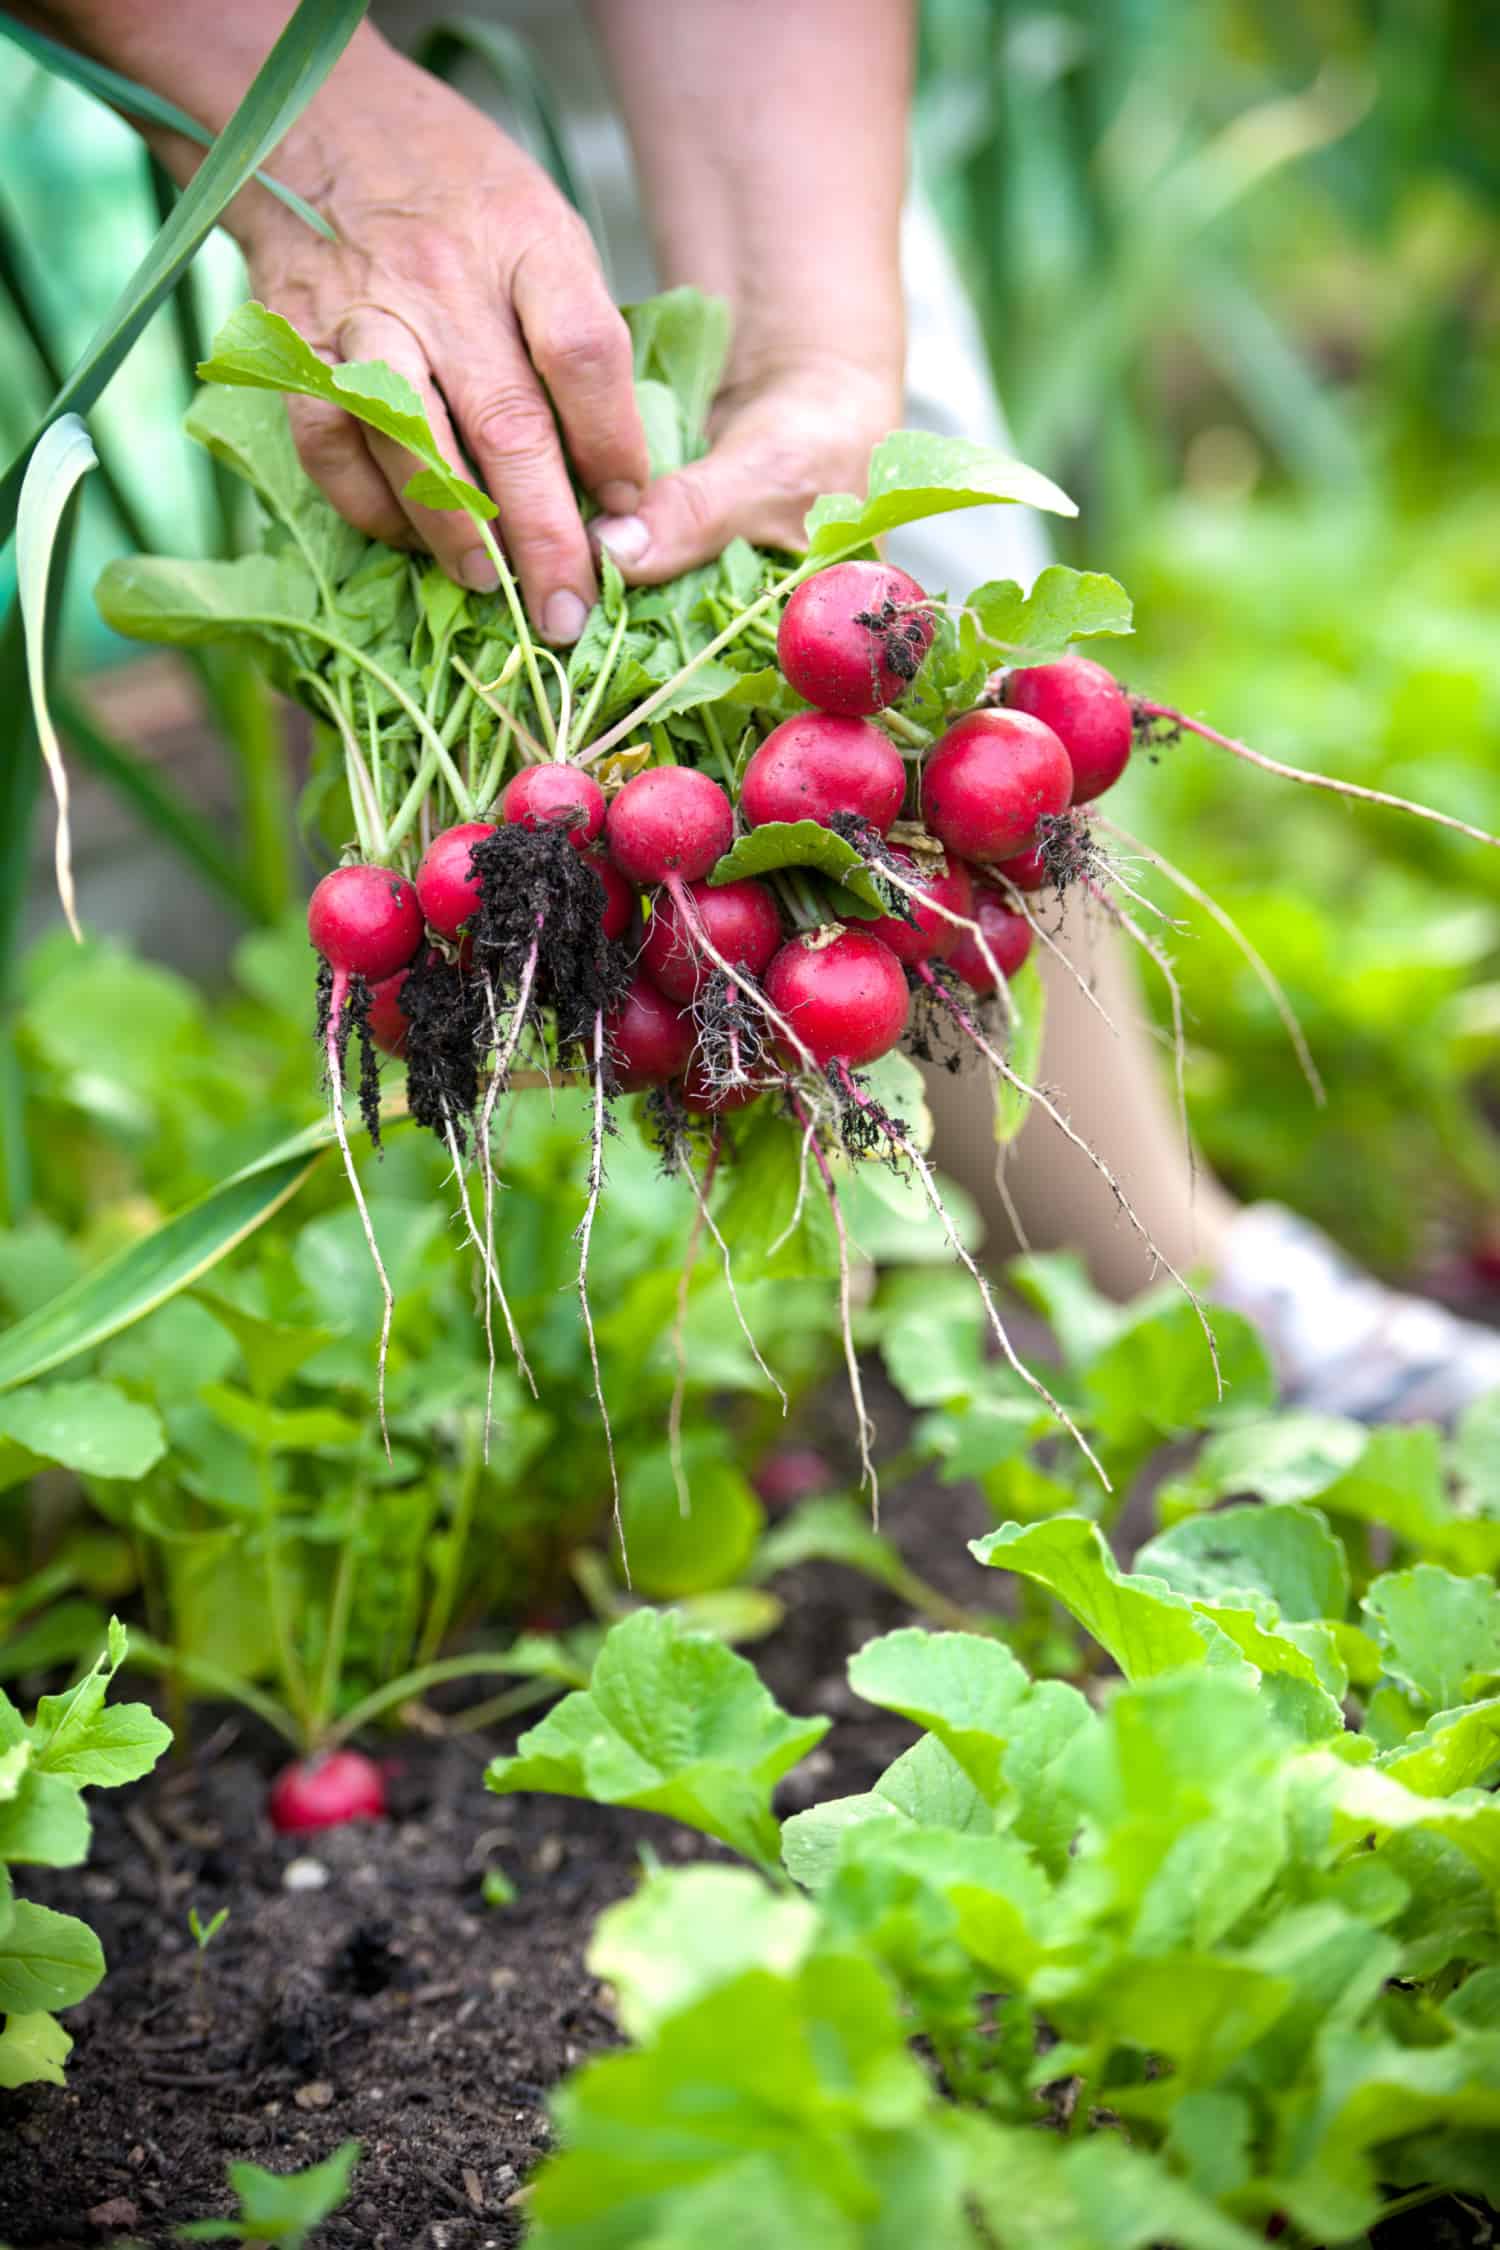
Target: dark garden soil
361, 1987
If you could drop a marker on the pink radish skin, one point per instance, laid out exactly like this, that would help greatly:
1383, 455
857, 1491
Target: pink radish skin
990, 780
816, 765
365, 921
930, 937
843, 994
388, 1020
1088, 711
447, 885
790, 1473
843, 666
620, 901
649, 1039
539, 795
326, 1792
1007, 935
1028, 870
740, 921
669, 821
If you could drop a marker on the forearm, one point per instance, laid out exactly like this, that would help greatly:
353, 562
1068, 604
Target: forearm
772, 156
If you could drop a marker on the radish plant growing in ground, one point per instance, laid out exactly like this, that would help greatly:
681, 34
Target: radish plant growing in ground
822, 739
1202, 1957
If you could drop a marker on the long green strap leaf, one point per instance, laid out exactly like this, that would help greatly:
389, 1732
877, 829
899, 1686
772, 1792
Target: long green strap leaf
138, 101
144, 1275
286, 82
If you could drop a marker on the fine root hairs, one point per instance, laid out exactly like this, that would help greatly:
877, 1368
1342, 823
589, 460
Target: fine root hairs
902, 1140
1255, 959
494, 1287
865, 1428
679, 1331
499, 1076
1181, 723
687, 907
1044, 1101
333, 1050
585, 1236
964, 922
700, 1192
1018, 903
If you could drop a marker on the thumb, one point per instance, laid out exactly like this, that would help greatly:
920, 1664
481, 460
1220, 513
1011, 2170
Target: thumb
753, 485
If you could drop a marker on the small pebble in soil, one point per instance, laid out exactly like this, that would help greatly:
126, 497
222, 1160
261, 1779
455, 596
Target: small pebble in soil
304, 1875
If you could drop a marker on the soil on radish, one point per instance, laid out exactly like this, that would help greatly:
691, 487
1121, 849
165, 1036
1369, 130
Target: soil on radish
389, 2003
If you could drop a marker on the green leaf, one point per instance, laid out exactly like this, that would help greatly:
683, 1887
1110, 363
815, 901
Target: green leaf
146, 1273
47, 1960
686, 1932
131, 100
1063, 605
76, 1737
310, 44
672, 1722
259, 348
914, 475
1057, 1283
831, 1529
672, 1552
281, 2207
1041, 2193
1028, 1023
757, 1214
44, 1824
1398, 1481
800, 843
281, 1429
1440, 1634
1156, 1379
1455, 1750
681, 339
1142, 1624
186, 604
1295, 1457
33, 2050
960, 1687
91, 1428
1286, 1556
249, 432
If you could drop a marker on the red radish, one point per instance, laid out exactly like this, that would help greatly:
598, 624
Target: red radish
539, 795
816, 765
669, 821
365, 921
620, 901
649, 1040
930, 937
990, 780
739, 920
1088, 711
446, 882
700, 1093
842, 992
1028, 869
853, 638
1007, 935
793, 1472
325, 1792
388, 1020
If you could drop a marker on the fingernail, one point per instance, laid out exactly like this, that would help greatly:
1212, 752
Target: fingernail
620, 497
478, 572
563, 617
626, 537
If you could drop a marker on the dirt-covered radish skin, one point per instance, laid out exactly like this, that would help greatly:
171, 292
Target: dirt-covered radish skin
853, 638
326, 1792
990, 780
448, 885
740, 921
1007, 934
817, 765
621, 901
669, 822
842, 992
1088, 711
648, 1039
929, 935
365, 921
541, 795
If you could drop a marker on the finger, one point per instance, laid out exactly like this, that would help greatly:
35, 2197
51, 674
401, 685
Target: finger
448, 534
508, 426
753, 485
331, 447
580, 346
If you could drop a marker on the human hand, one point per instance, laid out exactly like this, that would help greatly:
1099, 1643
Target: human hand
460, 265
780, 437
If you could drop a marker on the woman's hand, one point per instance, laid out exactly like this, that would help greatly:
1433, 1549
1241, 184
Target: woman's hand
463, 267
780, 437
